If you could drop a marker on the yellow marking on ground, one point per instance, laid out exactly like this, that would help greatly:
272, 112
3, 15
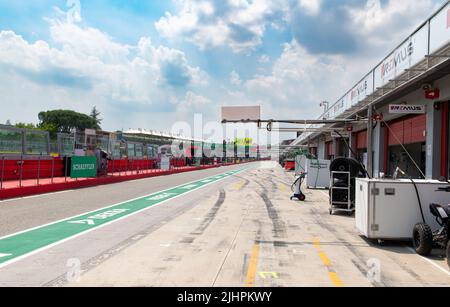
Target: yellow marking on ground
316, 243
239, 186
336, 280
282, 188
252, 267
334, 277
326, 261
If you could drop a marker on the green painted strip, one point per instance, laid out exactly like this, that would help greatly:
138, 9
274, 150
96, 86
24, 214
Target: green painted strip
22, 244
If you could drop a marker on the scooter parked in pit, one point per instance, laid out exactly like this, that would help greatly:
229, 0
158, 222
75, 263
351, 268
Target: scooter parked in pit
297, 188
424, 239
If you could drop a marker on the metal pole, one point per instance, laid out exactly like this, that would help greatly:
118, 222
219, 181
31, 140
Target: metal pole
369, 141
20, 171
65, 168
39, 171
113, 166
53, 169
3, 173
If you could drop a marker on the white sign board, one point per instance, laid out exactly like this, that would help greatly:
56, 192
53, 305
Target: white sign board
362, 90
318, 174
165, 163
440, 29
79, 153
407, 109
411, 52
90, 132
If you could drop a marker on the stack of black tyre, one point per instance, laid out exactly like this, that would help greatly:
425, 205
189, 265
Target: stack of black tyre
355, 169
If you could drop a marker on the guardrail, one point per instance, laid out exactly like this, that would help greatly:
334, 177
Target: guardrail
33, 172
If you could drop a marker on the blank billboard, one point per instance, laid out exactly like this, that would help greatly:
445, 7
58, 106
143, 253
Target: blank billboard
241, 113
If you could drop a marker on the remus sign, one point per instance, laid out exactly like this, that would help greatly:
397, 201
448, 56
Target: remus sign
405, 109
83, 167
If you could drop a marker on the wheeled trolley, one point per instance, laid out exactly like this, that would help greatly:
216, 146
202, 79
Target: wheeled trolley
341, 199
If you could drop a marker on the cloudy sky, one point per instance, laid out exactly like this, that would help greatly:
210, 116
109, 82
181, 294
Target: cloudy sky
147, 64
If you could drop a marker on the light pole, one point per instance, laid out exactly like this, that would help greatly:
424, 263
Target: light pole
325, 105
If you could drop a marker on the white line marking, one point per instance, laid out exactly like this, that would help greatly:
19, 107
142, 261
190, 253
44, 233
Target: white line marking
35, 196
431, 262
4, 255
101, 226
413, 251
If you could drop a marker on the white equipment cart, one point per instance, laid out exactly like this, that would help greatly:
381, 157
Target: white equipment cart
389, 209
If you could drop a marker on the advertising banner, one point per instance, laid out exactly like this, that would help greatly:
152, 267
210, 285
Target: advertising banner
407, 55
405, 109
362, 90
83, 167
440, 29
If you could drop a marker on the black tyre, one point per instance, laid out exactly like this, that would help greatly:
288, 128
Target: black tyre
423, 239
448, 254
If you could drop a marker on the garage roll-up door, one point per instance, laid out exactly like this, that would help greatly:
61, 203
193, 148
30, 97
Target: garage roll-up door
408, 130
361, 140
329, 148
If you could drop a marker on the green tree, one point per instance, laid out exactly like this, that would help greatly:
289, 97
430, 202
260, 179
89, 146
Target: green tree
51, 128
65, 121
95, 114
25, 126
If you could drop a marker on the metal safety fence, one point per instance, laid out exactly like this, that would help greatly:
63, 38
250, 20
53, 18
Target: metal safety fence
23, 171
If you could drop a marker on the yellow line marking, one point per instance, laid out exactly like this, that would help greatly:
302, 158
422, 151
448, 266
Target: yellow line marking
316, 243
282, 188
337, 282
239, 186
326, 261
252, 267
334, 277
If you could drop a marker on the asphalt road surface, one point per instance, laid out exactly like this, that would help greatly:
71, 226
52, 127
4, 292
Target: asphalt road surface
231, 226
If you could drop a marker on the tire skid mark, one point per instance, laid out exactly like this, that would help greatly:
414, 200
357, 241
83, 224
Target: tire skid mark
279, 226
212, 214
95, 261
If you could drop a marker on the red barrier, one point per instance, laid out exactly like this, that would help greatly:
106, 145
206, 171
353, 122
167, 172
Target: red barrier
60, 184
130, 165
31, 169
70, 185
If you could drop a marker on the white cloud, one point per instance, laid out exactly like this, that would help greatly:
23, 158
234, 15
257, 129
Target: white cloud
376, 20
239, 24
297, 83
298, 79
83, 66
264, 59
311, 7
235, 79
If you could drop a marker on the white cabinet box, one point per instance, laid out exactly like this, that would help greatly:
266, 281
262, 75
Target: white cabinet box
389, 209
318, 174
